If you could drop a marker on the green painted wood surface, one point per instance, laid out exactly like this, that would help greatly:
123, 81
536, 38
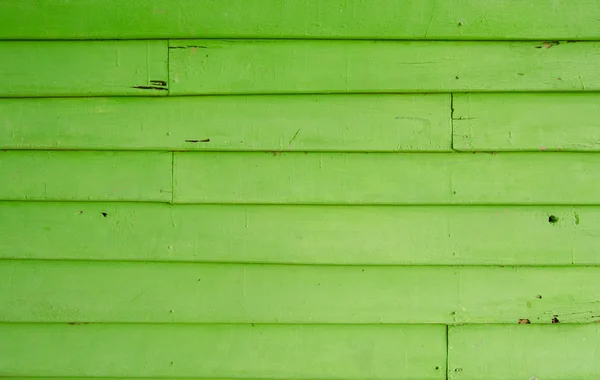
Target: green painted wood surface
77, 292
224, 351
83, 68
526, 122
384, 235
277, 123
95, 176
269, 66
403, 178
555, 352
380, 19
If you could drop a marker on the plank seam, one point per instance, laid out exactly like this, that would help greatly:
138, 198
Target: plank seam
447, 352
452, 122
172, 178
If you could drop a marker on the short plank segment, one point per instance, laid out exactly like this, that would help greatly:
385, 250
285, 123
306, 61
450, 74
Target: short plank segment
375, 19
526, 122
366, 235
85, 176
242, 123
224, 351
555, 352
405, 178
83, 68
288, 66
78, 292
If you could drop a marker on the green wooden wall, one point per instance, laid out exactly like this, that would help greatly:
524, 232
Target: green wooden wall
300, 190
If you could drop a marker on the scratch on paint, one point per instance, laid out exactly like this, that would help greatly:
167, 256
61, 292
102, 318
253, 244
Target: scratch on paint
294, 137
430, 19
581, 81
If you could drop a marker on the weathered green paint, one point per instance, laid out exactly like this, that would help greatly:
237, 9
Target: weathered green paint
366, 235
83, 68
72, 291
275, 123
224, 351
83, 176
379, 178
275, 66
526, 122
377, 19
556, 352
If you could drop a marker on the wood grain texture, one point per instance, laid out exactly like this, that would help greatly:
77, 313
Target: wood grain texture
270, 66
403, 178
524, 352
380, 235
526, 122
85, 176
379, 19
224, 351
83, 68
272, 123
78, 292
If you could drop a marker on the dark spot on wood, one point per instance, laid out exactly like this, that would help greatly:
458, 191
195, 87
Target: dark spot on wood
437, 367
458, 369
520, 74
539, 296
197, 141
80, 212
456, 77
524, 321
555, 320
151, 88
104, 214
552, 219
460, 23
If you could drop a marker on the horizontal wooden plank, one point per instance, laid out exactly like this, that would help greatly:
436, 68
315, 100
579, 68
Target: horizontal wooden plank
404, 178
78, 292
222, 351
83, 68
524, 352
270, 66
526, 122
85, 176
381, 235
271, 123
379, 19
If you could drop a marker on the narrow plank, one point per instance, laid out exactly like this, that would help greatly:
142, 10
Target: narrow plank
271, 66
242, 123
224, 351
524, 352
378, 19
526, 122
77, 292
404, 178
85, 176
83, 68
375, 235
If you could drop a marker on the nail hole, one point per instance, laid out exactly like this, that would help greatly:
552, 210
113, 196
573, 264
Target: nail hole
104, 214
552, 219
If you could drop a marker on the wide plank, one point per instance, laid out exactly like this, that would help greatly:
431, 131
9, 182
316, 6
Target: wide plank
232, 123
78, 292
555, 352
382, 178
85, 176
375, 235
224, 351
291, 66
83, 68
526, 122
376, 19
